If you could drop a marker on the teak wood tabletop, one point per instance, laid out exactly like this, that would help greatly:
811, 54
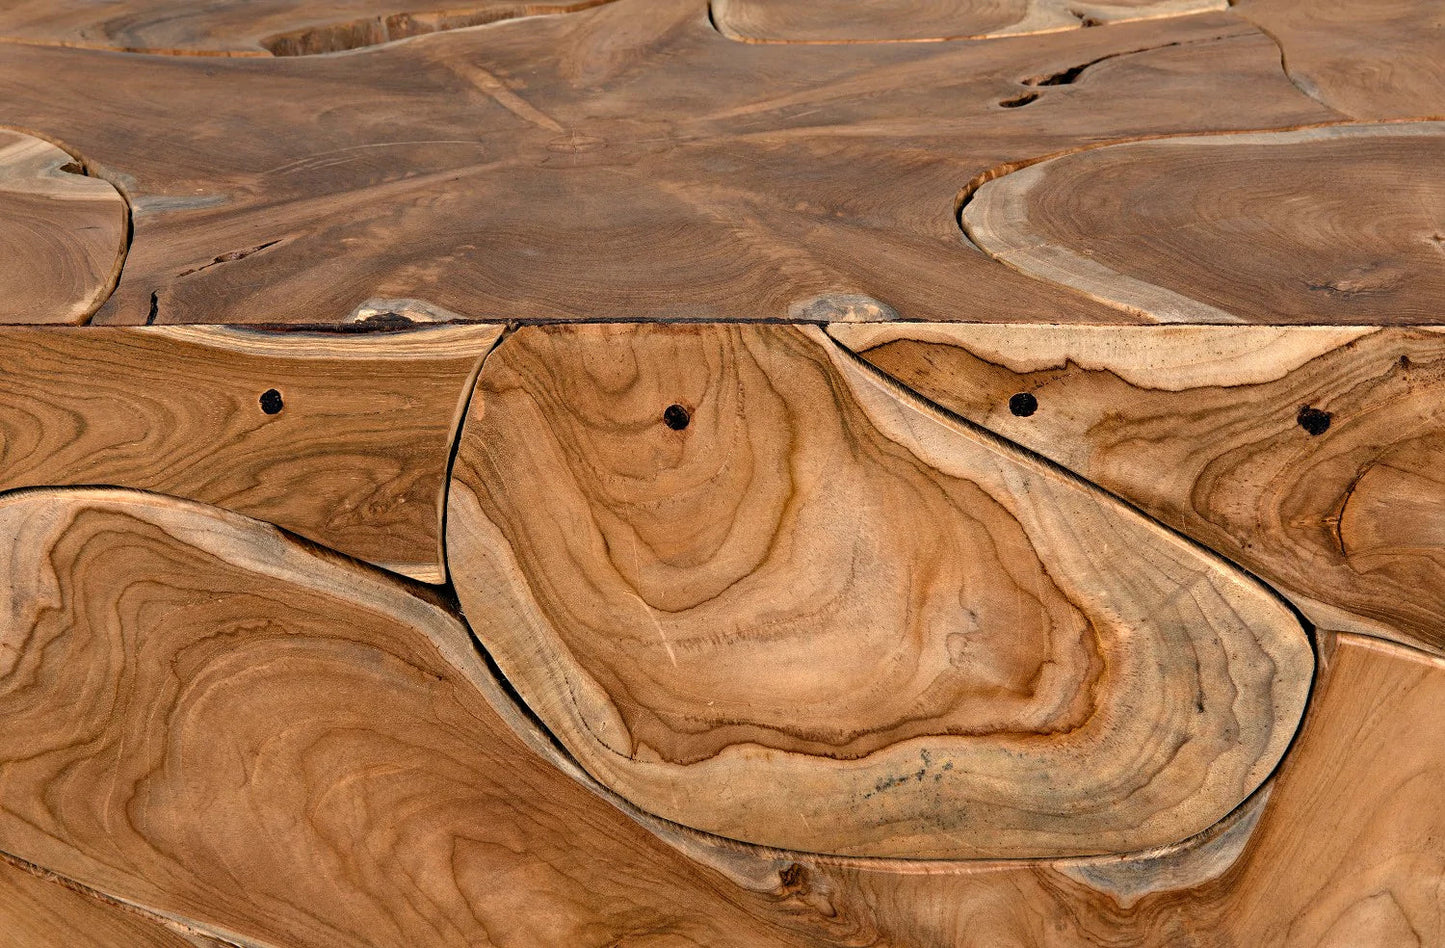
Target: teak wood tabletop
722, 473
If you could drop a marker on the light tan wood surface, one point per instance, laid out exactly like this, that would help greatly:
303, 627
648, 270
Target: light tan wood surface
757, 591
269, 743
621, 162
1369, 60
1309, 455
251, 28
420, 814
711, 474
38, 912
836, 21
343, 439
1230, 228
62, 233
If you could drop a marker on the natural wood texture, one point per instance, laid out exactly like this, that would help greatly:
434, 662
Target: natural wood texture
839, 21
1342, 224
755, 590
622, 162
1309, 455
341, 438
249, 27
1379, 59
43, 913
211, 721
329, 773
1347, 854
62, 234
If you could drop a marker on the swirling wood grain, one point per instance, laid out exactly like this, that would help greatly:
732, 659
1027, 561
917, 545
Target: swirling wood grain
623, 162
62, 234
1309, 455
208, 719
251, 28
760, 592
343, 439
1344, 224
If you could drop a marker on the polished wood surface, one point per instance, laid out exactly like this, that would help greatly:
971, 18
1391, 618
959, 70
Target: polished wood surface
1308, 455
63, 234
1230, 228
343, 439
721, 473
621, 162
758, 592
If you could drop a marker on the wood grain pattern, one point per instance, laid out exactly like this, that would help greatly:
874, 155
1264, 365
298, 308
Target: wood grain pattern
1226, 228
1347, 854
1309, 454
41, 913
623, 162
62, 234
836, 21
1373, 60
251, 28
757, 592
349, 448
278, 747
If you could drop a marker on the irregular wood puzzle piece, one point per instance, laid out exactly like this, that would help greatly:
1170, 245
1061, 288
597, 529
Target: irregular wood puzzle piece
732, 473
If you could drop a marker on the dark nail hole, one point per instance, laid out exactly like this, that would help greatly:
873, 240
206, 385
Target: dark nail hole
676, 417
271, 401
1019, 100
1023, 404
1313, 420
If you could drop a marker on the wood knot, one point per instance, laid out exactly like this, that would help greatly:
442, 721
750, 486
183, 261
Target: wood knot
676, 417
1314, 420
271, 401
1023, 404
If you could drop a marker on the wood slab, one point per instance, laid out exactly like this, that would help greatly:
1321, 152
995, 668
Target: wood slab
248, 27
625, 162
837, 21
758, 591
1343, 224
1371, 60
1309, 455
279, 747
39, 912
1347, 854
341, 438
62, 233
351, 725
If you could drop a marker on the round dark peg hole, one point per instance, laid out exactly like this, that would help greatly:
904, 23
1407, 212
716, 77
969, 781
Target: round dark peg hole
1313, 420
271, 401
1023, 404
676, 417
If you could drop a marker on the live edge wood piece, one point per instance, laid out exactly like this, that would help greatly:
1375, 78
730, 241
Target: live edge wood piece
182, 683
63, 235
1309, 455
760, 592
341, 438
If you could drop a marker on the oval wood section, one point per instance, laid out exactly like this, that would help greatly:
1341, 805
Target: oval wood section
276, 746
1323, 225
761, 592
62, 234
1347, 854
839, 21
253, 27
1310, 455
341, 438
